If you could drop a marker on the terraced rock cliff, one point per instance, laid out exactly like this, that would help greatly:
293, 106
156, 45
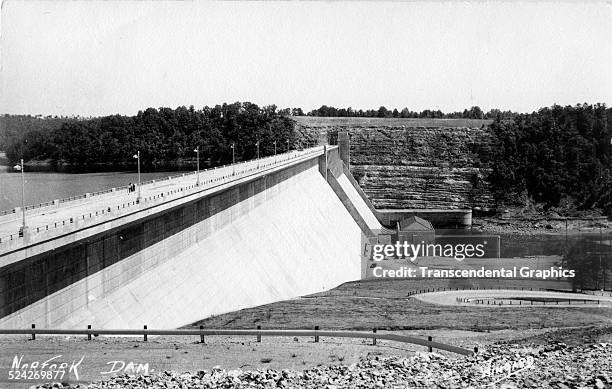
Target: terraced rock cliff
413, 163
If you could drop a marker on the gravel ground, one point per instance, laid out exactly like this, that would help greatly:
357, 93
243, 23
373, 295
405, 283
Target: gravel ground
556, 365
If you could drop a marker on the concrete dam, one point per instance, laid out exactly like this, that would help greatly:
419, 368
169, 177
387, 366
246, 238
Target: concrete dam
249, 234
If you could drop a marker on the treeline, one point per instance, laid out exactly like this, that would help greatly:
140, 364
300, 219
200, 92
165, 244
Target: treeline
558, 157
12, 127
164, 137
382, 112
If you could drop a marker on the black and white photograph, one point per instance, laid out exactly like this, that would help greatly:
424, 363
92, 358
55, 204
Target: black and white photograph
305, 194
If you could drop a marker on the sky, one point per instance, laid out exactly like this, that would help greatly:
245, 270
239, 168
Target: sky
93, 58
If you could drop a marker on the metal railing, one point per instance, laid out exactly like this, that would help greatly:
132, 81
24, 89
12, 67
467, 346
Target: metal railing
217, 176
41, 205
258, 333
7, 212
110, 190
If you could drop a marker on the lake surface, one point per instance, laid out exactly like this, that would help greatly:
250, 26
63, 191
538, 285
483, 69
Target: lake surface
526, 245
42, 186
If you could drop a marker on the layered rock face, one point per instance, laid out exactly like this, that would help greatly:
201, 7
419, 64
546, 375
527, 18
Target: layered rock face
411, 163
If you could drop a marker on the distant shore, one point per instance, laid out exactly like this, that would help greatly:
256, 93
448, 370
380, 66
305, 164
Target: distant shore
63, 167
541, 225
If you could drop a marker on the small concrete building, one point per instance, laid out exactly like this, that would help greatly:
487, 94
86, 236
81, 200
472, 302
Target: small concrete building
415, 229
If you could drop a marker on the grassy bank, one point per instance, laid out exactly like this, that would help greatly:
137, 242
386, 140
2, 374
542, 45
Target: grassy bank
385, 304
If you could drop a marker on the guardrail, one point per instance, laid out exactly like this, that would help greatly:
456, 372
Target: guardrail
41, 205
7, 212
216, 176
202, 332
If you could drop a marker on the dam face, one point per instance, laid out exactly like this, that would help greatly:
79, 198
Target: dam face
277, 233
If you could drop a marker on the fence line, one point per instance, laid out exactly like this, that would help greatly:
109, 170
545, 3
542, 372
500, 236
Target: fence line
492, 300
374, 335
444, 289
527, 300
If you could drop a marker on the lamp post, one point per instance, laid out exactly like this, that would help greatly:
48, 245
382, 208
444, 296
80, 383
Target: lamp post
24, 227
23, 220
233, 158
137, 156
197, 150
23, 209
603, 272
274, 151
287, 145
257, 144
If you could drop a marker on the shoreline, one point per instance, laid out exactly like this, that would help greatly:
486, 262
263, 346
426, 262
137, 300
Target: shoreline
50, 167
544, 226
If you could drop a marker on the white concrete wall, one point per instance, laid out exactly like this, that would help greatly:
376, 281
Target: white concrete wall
293, 239
359, 203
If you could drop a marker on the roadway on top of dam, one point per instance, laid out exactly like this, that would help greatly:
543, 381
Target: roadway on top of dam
81, 210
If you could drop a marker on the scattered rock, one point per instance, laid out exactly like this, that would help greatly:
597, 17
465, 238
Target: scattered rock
554, 365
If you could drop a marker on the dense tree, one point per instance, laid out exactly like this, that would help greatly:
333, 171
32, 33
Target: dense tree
162, 135
12, 128
382, 112
556, 156
560, 157
297, 112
